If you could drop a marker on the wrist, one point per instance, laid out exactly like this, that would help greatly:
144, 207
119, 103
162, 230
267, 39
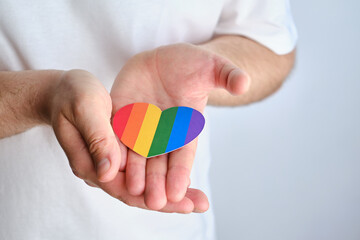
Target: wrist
47, 85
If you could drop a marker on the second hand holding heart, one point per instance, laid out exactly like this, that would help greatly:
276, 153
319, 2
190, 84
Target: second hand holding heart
174, 75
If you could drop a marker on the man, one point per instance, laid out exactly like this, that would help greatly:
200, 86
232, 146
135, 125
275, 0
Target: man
170, 53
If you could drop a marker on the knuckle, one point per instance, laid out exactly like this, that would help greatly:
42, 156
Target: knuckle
180, 170
156, 176
82, 101
97, 143
85, 100
133, 168
78, 173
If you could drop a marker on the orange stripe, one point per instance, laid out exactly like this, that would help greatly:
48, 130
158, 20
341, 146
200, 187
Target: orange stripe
134, 123
147, 130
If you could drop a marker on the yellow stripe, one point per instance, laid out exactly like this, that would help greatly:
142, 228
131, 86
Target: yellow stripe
147, 131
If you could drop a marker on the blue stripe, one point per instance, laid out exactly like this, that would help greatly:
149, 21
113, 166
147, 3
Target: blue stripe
179, 129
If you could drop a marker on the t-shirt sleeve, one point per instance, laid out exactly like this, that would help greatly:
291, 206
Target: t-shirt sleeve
268, 22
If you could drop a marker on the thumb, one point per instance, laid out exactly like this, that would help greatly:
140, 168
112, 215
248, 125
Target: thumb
102, 144
232, 78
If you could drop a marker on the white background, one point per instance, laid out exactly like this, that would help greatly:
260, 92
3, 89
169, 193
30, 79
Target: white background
289, 167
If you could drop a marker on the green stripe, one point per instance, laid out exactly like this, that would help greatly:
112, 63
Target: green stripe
163, 132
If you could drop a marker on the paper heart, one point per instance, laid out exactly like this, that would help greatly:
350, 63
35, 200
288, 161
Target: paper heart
148, 131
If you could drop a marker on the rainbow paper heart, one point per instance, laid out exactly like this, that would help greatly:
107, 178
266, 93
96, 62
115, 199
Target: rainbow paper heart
149, 132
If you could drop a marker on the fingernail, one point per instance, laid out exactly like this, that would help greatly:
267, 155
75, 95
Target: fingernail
102, 167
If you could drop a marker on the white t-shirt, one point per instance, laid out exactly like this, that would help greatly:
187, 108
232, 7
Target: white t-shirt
40, 198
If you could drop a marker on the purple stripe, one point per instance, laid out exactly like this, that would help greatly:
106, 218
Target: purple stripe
195, 127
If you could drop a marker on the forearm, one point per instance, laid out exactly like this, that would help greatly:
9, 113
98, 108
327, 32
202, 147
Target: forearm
24, 99
266, 69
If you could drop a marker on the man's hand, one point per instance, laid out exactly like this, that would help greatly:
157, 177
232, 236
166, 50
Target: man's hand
80, 112
175, 75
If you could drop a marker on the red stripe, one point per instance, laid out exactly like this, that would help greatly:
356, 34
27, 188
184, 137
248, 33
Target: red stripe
120, 120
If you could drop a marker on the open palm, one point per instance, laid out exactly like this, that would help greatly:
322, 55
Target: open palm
175, 75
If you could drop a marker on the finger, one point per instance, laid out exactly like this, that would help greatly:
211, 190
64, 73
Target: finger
117, 189
94, 126
135, 173
232, 78
186, 205
75, 149
123, 152
199, 199
155, 194
178, 176
81, 163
